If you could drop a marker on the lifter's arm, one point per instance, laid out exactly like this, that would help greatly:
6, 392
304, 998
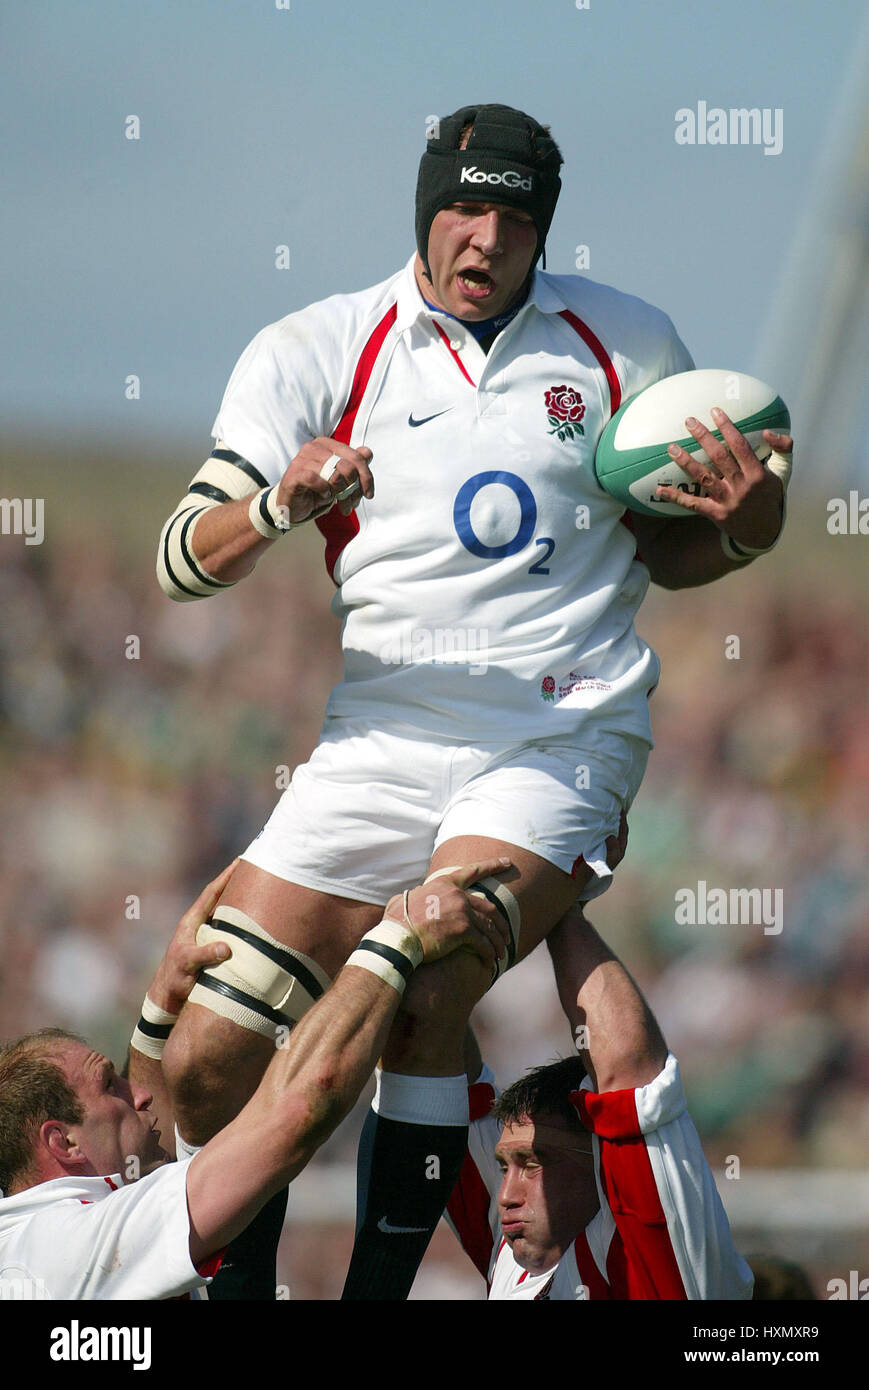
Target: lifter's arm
311, 1084
624, 1045
672, 1238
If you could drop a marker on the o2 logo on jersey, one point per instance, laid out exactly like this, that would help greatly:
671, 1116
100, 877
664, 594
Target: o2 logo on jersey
527, 520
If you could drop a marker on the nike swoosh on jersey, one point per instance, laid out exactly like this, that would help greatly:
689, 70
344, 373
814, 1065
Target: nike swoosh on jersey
384, 1226
414, 424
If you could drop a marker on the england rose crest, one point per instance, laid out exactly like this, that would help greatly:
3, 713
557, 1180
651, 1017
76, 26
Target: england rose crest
565, 409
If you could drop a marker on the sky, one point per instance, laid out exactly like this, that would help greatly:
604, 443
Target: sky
299, 124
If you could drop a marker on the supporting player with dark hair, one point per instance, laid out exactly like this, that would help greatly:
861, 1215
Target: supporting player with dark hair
586, 1179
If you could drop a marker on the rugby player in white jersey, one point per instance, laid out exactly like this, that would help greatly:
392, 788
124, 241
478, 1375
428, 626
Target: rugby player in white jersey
90, 1206
495, 697
586, 1179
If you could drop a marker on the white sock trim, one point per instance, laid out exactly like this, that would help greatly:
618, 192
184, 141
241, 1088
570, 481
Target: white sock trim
421, 1100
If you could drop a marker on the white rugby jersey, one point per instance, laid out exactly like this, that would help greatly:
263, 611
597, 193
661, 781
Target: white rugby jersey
489, 548
98, 1238
661, 1231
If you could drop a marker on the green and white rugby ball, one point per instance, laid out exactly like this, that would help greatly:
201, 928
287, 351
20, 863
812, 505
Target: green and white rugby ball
631, 460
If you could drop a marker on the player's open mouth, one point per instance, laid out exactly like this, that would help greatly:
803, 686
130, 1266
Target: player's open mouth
476, 284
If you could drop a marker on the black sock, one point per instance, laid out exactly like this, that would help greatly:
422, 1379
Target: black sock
248, 1270
406, 1175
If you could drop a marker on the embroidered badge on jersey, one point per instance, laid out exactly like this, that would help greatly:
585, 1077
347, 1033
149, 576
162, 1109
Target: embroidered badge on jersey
565, 409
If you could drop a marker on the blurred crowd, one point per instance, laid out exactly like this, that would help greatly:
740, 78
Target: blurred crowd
142, 741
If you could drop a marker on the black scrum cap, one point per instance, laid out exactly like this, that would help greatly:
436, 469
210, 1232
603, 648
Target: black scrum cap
509, 159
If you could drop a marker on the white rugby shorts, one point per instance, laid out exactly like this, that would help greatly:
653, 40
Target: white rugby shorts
363, 817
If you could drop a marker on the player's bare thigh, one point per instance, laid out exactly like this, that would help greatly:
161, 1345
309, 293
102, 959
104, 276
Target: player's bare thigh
211, 1063
320, 925
428, 1035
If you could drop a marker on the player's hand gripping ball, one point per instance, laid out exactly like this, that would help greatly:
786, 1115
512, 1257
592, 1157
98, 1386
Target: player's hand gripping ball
631, 461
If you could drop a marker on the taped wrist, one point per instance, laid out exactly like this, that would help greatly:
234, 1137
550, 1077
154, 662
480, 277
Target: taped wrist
152, 1031
391, 951
268, 516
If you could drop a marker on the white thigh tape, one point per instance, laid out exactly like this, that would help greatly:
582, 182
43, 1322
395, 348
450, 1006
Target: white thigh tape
265, 984
505, 901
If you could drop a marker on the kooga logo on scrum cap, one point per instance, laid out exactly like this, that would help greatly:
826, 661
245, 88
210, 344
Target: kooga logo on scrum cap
510, 178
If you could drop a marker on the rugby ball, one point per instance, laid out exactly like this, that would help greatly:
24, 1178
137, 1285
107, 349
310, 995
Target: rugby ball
631, 459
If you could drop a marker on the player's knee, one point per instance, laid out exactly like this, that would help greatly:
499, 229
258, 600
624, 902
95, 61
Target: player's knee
201, 1054
430, 1025
212, 1068
237, 1013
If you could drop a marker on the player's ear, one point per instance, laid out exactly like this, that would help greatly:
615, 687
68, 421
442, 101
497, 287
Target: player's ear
54, 1135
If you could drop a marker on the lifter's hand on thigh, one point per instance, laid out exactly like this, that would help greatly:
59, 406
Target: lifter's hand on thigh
176, 974
446, 918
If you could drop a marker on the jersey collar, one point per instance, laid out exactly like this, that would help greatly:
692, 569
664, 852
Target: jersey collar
43, 1193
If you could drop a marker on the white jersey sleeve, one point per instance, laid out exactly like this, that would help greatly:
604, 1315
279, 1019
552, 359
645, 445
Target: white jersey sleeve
91, 1238
661, 1232
292, 382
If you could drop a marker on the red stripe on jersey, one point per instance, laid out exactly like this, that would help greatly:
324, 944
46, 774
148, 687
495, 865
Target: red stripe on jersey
338, 530
453, 352
641, 1263
597, 1286
468, 1209
593, 341
481, 1098
211, 1264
